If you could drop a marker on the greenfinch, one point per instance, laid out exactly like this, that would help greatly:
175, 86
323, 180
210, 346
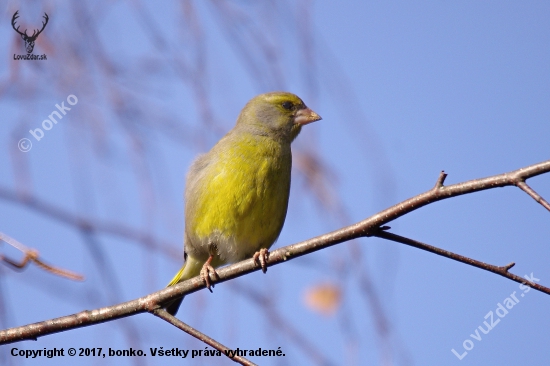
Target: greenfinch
236, 195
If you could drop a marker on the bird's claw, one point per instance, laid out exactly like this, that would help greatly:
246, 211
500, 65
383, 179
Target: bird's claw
261, 258
206, 271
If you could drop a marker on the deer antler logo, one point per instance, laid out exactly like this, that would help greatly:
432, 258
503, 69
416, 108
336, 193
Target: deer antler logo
29, 40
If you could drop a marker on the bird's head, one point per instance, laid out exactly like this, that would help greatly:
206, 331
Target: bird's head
277, 114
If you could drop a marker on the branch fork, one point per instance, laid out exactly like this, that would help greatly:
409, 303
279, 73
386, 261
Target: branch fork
372, 226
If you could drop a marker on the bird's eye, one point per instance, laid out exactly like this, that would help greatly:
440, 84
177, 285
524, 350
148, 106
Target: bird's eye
287, 105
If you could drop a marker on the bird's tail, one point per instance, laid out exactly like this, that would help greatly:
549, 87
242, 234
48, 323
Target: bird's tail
172, 307
190, 269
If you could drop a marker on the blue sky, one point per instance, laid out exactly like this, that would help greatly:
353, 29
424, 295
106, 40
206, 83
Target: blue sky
405, 89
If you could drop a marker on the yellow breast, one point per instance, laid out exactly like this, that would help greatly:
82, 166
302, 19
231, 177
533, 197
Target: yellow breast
242, 197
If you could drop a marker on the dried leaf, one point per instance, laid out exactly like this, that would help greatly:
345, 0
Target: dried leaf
324, 298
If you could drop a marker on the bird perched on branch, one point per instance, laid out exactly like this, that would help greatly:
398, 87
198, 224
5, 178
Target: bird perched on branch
236, 195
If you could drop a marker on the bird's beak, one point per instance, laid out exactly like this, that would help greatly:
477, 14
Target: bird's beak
305, 116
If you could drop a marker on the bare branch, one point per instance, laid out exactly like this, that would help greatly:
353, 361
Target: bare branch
163, 314
368, 227
500, 270
88, 224
32, 255
531, 192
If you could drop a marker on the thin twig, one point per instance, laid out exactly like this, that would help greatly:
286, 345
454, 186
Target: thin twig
32, 255
163, 314
500, 270
365, 228
84, 223
440, 180
531, 192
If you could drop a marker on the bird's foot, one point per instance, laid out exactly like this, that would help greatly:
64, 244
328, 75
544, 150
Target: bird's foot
206, 271
261, 258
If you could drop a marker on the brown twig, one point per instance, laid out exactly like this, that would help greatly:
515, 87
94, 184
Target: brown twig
88, 224
32, 255
163, 314
531, 192
500, 270
365, 228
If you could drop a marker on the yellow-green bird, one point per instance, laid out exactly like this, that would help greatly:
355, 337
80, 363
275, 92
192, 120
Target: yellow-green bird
236, 195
